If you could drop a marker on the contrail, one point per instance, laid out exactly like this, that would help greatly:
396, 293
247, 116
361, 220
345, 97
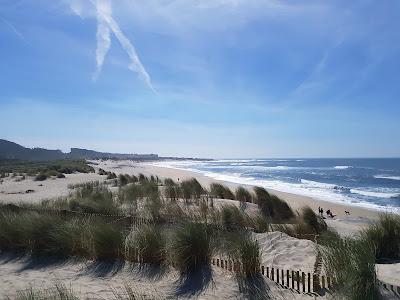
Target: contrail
105, 25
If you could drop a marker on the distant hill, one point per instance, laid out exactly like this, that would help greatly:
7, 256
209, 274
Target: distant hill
11, 150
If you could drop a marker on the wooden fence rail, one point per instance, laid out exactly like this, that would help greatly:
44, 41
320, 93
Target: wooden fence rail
301, 282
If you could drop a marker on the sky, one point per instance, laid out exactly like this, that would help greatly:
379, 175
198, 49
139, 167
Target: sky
209, 78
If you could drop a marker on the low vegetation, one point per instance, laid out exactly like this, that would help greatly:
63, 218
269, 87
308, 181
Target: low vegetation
384, 235
220, 191
44, 170
191, 247
272, 206
352, 263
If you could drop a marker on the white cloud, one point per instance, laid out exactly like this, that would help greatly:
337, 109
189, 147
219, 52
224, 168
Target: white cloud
105, 25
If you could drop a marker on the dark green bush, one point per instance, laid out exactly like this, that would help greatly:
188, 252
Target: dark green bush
243, 194
272, 206
149, 243
41, 177
218, 190
316, 223
232, 218
107, 242
352, 263
384, 234
191, 247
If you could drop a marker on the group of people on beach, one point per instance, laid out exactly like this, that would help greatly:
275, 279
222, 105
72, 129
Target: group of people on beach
328, 212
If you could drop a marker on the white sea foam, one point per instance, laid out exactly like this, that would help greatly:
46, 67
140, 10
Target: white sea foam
342, 167
374, 194
317, 184
387, 177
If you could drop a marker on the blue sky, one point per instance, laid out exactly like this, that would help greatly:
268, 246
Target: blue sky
210, 78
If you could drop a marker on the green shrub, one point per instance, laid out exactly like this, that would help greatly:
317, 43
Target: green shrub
352, 263
242, 248
123, 179
149, 244
272, 206
41, 177
191, 247
243, 194
191, 189
384, 234
58, 292
107, 242
94, 197
14, 231
232, 218
316, 223
259, 223
70, 239
218, 190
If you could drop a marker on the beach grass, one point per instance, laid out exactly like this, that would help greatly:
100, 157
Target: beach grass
191, 247
243, 195
272, 206
148, 243
384, 235
107, 241
221, 191
352, 263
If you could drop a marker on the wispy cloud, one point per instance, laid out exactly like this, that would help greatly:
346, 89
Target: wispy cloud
106, 25
14, 29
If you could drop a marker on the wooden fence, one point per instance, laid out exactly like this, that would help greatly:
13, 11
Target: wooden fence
301, 282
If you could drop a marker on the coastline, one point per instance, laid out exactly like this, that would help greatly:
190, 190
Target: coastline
295, 200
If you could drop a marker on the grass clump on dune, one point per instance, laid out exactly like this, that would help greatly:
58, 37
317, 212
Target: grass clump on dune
352, 263
146, 243
242, 248
314, 222
191, 247
94, 197
220, 191
243, 195
191, 188
232, 218
171, 190
272, 206
57, 292
107, 242
384, 235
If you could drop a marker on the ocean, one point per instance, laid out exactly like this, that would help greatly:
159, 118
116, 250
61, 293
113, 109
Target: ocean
371, 183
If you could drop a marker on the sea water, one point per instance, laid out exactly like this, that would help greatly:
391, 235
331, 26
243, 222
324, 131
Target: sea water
372, 183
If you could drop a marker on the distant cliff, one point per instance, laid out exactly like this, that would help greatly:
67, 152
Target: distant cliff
11, 150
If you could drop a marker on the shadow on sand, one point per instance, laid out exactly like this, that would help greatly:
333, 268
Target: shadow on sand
254, 287
103, 268
149, 271
32, 262
193, 283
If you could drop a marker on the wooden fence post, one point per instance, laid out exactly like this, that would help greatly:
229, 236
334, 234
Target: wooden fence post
277, 275
287, 278
329, 282
272, 274
298, 281
267, 272
262, 270
292, 279
309, 283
